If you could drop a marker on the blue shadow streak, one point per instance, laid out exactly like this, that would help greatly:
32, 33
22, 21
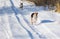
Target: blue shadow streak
17, 11
46, 21
25, 28
7, 10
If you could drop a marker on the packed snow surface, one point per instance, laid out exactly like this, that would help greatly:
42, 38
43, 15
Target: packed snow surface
15, 23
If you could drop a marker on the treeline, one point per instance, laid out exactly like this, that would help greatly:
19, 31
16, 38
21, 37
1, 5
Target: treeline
47, 2
43, 2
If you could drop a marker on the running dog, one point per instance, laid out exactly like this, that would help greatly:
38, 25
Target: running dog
34, 17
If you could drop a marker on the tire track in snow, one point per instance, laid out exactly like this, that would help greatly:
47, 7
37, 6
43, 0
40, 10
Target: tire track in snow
30, 34
34, 29
25, 28
3, 34
25, 24
6, 27
48, 32
18, 31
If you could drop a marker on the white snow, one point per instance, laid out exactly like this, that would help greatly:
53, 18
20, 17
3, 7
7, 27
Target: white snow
16, 3
26, 3
15, 23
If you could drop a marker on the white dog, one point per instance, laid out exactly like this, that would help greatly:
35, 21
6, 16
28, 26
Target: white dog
34, 17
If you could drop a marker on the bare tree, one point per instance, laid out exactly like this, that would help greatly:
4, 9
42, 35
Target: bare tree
58, 6
50, 3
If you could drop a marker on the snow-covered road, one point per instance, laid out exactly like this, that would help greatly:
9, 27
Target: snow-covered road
15, 22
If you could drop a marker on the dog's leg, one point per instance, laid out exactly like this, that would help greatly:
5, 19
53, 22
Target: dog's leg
32, 21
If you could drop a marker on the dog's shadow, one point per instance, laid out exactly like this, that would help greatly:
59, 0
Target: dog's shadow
46, 21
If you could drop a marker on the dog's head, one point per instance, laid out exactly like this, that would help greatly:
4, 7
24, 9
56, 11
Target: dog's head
35, 13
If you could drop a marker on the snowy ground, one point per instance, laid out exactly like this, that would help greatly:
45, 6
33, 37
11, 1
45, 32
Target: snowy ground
15, 22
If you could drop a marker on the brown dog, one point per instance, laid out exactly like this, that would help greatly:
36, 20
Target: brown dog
34, 17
